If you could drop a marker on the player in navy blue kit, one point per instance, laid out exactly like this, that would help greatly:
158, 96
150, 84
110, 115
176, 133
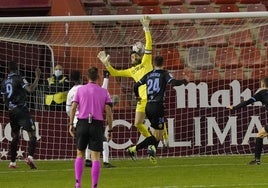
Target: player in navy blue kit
14, 90
262, 96
156, 82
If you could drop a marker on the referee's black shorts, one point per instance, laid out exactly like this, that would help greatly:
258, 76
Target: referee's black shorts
21, 117
155, 113
89, 134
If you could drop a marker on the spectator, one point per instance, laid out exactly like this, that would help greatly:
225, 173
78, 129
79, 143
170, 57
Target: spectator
56, 90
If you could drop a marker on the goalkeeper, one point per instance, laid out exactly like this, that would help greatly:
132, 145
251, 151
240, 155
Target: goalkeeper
141, 61
262, 96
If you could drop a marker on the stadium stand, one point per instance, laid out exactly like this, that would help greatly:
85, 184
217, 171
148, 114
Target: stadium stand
206, 9
133, 35
162, 36
224, 1
171, 2
108, 37
249, 1
230, 8
129, 10
172, 58
250, 57
234, 74
101, 11
240, 39
199, 58
120, 2
184, 74
120, 58
256, 7
198, 2
226, 58
93, 3
209, 75
258, 73
154, 10
25, 8
187, 35
263, 35
179, 9
146, 2
218, 39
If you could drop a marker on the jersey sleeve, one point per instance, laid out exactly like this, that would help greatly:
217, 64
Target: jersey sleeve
116, 72
147, 57
23, 82
142, 81
76, 96
254, 98
69, 102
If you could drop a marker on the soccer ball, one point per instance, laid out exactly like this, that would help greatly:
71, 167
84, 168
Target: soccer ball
138, 47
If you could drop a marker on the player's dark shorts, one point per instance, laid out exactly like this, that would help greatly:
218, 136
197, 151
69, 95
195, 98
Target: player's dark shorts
155, 113
90, 135
20, 117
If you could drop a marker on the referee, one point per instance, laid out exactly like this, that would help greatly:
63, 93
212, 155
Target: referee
91, 101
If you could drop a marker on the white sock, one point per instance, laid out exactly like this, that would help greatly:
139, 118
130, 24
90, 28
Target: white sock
105, 153
12, 163
30, 157
87, 153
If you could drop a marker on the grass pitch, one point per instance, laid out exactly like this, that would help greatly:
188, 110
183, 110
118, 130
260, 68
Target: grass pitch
196, 172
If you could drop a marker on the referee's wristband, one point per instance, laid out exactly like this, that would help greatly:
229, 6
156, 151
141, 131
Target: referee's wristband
71, 124
109, 131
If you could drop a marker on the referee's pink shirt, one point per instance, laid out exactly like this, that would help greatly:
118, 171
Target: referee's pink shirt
91, 99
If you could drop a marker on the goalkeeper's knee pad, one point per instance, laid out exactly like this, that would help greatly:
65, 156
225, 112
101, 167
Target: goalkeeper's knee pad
143, 130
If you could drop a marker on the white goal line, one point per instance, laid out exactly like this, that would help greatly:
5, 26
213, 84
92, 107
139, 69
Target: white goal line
47, 19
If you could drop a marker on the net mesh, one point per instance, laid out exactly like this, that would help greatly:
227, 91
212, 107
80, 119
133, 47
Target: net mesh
222, 58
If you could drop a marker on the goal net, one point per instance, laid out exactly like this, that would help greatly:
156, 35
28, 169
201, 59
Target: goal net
223, 56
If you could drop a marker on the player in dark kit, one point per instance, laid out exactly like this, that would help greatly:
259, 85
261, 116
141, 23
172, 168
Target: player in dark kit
156, 82
14, 90
262, 96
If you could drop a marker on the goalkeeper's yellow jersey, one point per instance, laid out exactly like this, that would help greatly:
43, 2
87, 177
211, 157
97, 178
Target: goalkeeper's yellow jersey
139, 70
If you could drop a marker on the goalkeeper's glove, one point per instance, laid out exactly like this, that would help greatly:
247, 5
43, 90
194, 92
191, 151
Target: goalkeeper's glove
105, 59
145, 21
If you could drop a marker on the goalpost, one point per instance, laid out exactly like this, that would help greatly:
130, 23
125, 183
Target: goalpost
223, 55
